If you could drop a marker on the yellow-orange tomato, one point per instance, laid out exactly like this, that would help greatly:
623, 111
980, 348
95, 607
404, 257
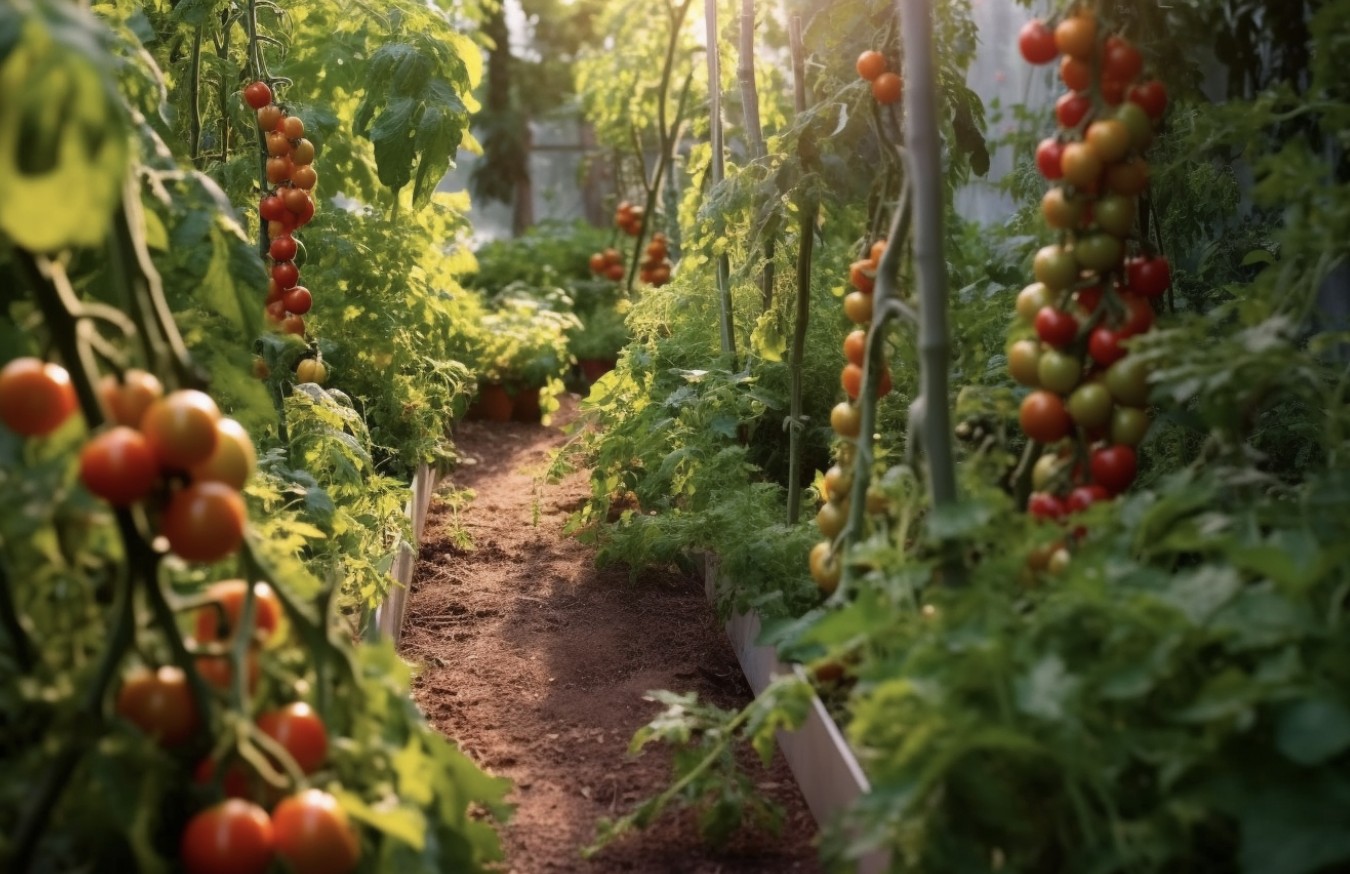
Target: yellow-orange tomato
825, 567
1077, 35
858, 307
855, 344
846, 419
831, 518
233, 460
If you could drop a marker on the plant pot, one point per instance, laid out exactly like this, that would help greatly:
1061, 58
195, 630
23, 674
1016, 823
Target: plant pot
594, 368
525, 406
493, 403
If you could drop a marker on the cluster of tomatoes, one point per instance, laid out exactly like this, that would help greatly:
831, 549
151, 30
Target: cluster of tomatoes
887, 87
286, 207
1088, 296
628, 218
655, 266
176, 449
307, 828
846, 419
608, 264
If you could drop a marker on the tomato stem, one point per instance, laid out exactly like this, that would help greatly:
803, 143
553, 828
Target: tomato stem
10, 620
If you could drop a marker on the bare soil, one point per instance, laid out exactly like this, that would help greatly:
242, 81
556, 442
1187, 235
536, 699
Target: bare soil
537, 664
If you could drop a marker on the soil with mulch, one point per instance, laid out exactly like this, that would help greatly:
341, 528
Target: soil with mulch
537, 664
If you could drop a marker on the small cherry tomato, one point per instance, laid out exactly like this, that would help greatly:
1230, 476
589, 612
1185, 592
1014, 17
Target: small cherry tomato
257, 95
36, 396
119, 466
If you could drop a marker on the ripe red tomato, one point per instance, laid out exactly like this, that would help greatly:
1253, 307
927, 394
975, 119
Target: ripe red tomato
283, 248
36, 397
204, 522
293, 324
215, 624
1049, 152
1114, 467
300, 731
125, 402
286, 274
888, 88
233, 459
1148, 277
1056, 327
1104, 346
863, 275
272, 208
232, 837
275, 312
1151, 96
314, 835
871, 64
1113, 91
1036, 42
855, 344
298, 300
257, 95
306, 211
597, 262
119, 466
1071, 109
1085, 496
1044, 505
181, 428
1043, 417
1122, 60
159, 703
1088, 299
1138, 315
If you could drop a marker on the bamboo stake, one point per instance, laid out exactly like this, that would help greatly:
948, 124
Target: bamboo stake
754, 135
806, 240
925, 174
718, 171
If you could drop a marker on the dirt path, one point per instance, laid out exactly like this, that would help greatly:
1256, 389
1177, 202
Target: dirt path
537, 664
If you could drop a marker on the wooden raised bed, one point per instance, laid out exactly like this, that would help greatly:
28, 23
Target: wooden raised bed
820, 758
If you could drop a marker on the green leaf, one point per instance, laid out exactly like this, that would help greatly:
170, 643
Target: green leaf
1312, 730
1201, 594
1257, 256
401, 822
958, 520
1047, 688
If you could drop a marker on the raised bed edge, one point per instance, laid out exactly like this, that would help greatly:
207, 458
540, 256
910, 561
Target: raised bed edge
819, 756
389, 615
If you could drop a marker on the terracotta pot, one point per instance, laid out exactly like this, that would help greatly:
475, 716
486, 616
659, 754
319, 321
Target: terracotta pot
526, 405
493, 403
594, 368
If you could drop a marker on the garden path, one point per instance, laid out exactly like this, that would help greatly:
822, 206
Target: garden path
537, 664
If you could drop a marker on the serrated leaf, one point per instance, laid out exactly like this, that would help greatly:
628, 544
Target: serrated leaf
400, 822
